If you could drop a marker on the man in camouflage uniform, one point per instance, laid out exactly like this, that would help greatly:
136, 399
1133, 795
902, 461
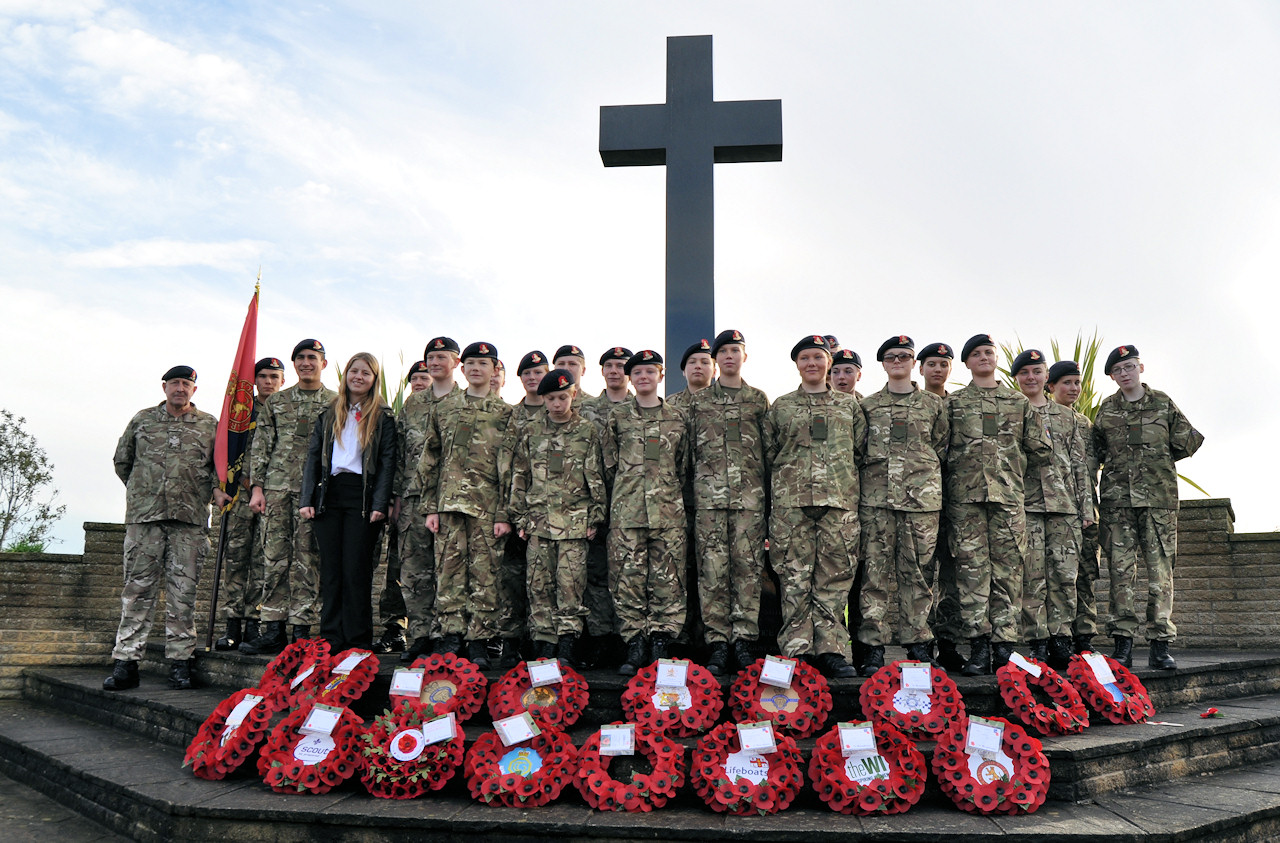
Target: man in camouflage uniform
416, 542
995, 436
557, 503
901, 486
242, 556
813, 441
730, 501
1065, 383
1138, 435
464, 477
291, 562
165, 460
645, 448
1056, 501
698, 368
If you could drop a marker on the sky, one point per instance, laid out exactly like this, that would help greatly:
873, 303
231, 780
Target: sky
402, 170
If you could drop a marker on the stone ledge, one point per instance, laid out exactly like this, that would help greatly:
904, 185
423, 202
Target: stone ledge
1236, 538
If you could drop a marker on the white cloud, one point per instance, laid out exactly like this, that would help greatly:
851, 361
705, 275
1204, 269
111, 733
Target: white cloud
232, 256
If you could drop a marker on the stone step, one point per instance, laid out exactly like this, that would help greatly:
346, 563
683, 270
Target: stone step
134, 785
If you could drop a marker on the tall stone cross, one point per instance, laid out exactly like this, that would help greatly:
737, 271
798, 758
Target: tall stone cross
690, 133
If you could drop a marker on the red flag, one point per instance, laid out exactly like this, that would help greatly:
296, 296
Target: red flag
237, 417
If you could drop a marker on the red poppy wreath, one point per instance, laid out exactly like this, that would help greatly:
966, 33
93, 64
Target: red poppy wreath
524, 775
401, 760
888, 781
449, 683
346, 687
916, 714
292, 762
682, 712
558, 705
1063, 714
219, 746
800, 709
294, 677
1123, 701
642, 791
731, 780
1014, 780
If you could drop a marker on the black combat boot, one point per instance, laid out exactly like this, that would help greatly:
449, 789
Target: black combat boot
872, 660
1083, 643
921, 652
180, 675
660, 646
230, 641
979, 663
636, 648
1124, 650
508, 653
451, 643
420, 647
392, 640
1059, 651
270, 641
564, 649
1160, 658
124, 675
833, 666
251, 630
718, 660
1040, 649
301, 633
1000, 652
478, 653
544, 650
743, 654
949, 658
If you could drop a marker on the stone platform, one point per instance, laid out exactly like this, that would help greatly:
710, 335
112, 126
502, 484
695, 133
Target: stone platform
116, 758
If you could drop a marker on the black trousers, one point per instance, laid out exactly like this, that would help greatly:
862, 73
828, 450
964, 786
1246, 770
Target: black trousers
347, 542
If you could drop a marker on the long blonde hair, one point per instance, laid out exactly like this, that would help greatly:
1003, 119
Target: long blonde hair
372, 407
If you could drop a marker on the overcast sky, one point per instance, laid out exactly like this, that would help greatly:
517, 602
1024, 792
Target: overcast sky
402, 170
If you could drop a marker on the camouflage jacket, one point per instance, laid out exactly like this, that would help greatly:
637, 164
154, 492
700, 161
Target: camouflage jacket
995, 435
282, 435
812, 445
1061, 486
681, 399
166, 465
466, 459
522, 414
906, 445
1137, 443
597, 407
410, 429
557, 479
727, 442
1091, 457
646, 462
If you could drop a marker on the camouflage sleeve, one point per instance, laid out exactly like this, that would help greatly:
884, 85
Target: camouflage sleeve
264, 439
1184, 440
517, 511
609, 450
859, 433
311, 469
429, 467
769, 433
1080, 462
505, 451
597, 512
401, 470
126, 449
1099, 441
941, 433
1035, 442
1091, 454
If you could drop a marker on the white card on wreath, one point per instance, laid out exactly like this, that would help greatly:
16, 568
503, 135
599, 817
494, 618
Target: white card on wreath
349, 663
672, 673
241, 711
757, 737
618, 739
777, 672
1101, 670
917, 676
321, 720
544, 672
857, 739
517, 728
984, 736
297, 680
1030, 667
440, 729
407, 682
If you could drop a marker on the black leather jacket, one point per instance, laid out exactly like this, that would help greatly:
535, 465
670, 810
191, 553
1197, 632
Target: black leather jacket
378, 464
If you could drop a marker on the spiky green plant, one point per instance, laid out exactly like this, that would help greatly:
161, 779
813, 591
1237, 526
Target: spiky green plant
396, 402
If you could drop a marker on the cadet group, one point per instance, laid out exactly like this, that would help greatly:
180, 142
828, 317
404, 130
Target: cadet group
616, 529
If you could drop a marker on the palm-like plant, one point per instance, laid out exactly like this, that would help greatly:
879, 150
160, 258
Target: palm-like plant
396, 402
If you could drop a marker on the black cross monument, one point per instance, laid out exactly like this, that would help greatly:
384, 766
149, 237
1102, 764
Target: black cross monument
690, 133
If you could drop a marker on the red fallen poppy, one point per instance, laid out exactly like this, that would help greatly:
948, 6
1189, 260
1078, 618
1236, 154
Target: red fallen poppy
489, 784
550, 705
449, 683
280, 674
1135, 707
878, 693
1029, 776
677, 716
779, 786
645, 791
395, 733
799, 711
207, 755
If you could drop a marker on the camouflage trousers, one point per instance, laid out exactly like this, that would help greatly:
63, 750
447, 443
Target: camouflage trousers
1049, 574
557, 578
598, 598
989, 543
1086, 621
730, 553
468, 559
291, 563
896, 545
391, 609
241, 563
944, 616
417, 569
646, 576
174, 550
513, 600
814, 549
1153, 534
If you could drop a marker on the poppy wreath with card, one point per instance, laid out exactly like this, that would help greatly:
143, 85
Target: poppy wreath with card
216, 751
889, 784
346, 688
325, 763
294, 661
1135, 707
884, 699
987, 785
642, 791
730, 791
799, 710
524, 775
1065, 714
449, 683
398, 762
558, 705
667, 709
